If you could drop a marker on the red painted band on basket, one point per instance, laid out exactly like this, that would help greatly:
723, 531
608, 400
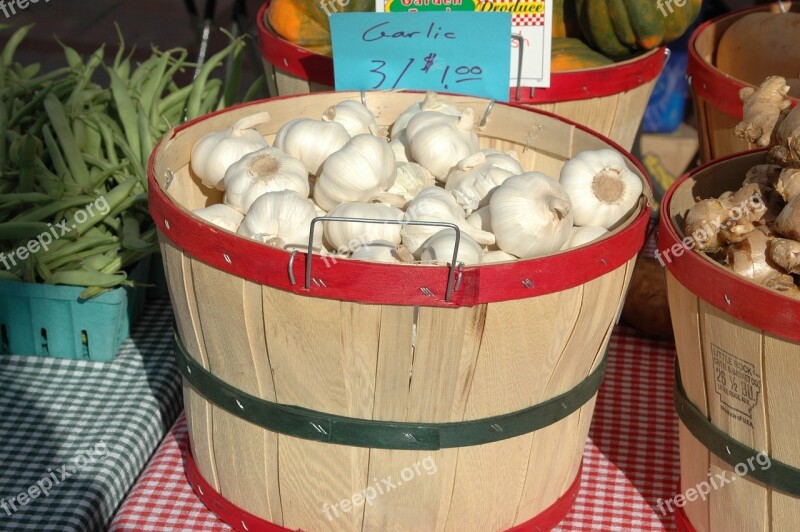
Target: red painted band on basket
712, 85
754, 304
378, 283
564, 86
242, 520
682, 523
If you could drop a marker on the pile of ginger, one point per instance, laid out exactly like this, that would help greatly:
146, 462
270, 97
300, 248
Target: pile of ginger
755, 231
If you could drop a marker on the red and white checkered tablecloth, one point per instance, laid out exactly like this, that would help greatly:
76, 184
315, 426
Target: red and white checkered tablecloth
630, 459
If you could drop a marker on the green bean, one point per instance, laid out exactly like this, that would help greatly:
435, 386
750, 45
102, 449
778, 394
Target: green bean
150, 90
3, 126
45, 212
113, 198
175, 98
72, 154
22, 230
83, 79
127, 203
41, 268
54, 151
233, 78
6, 275
64, 261
97, 262
73, 58
198, 86
7, 56
125, 110
63, 248
25, 197
34, 103
131, 238
84, 278
256, 89
146, 143
108, 141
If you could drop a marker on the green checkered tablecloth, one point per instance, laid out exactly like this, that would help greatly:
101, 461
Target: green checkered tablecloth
74, 435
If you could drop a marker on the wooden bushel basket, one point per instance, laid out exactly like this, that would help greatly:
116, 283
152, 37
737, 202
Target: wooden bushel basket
357, 345
739, 351
715, 93
609, 100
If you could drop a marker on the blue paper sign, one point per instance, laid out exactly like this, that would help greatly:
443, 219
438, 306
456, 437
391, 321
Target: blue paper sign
459, 52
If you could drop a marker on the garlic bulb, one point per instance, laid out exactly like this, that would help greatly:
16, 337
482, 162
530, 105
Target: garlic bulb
439, 141
282, 219
216, 151
492, 257
221, 215
583, 235
473, 179
531, 215
262, 171
602, 188
311, 141
481, 219
399, 149
439, 248
364, 167
380, 251
435, 204
411, 179
351, 234
355, 117
430, 103
507, 160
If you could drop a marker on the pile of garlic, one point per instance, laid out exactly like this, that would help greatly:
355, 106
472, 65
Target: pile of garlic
428, 167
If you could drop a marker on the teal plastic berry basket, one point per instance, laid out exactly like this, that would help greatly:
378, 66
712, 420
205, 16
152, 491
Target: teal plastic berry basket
49, 320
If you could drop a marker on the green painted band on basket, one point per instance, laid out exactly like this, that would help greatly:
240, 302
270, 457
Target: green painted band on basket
320, 426
778, 475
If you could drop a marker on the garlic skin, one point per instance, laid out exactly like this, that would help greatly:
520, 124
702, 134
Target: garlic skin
602, 188
435, 204
378, 251
363, 168
311, 141
430, 103
439, 248
399, 150
507, 160
493, 257
345, 234
221, 215
481, 219
439, 141
411, 179
262, 171
356, 118
531, 215
473, 179
282, 219
215, 152
583, 235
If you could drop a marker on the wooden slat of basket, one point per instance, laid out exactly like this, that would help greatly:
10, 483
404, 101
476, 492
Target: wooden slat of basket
694, 456
782, 396
628, 115
740, 505
306, 341
245, 454
434, 390
178, 271
514, 358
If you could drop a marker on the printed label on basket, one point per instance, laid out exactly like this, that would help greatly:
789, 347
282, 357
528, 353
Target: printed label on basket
424, 51
531, 23
737, 384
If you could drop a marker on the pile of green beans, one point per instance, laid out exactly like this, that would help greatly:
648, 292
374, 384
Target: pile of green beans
76, 150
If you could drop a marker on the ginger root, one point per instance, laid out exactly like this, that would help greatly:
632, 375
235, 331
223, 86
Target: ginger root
762, 110
787, 140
